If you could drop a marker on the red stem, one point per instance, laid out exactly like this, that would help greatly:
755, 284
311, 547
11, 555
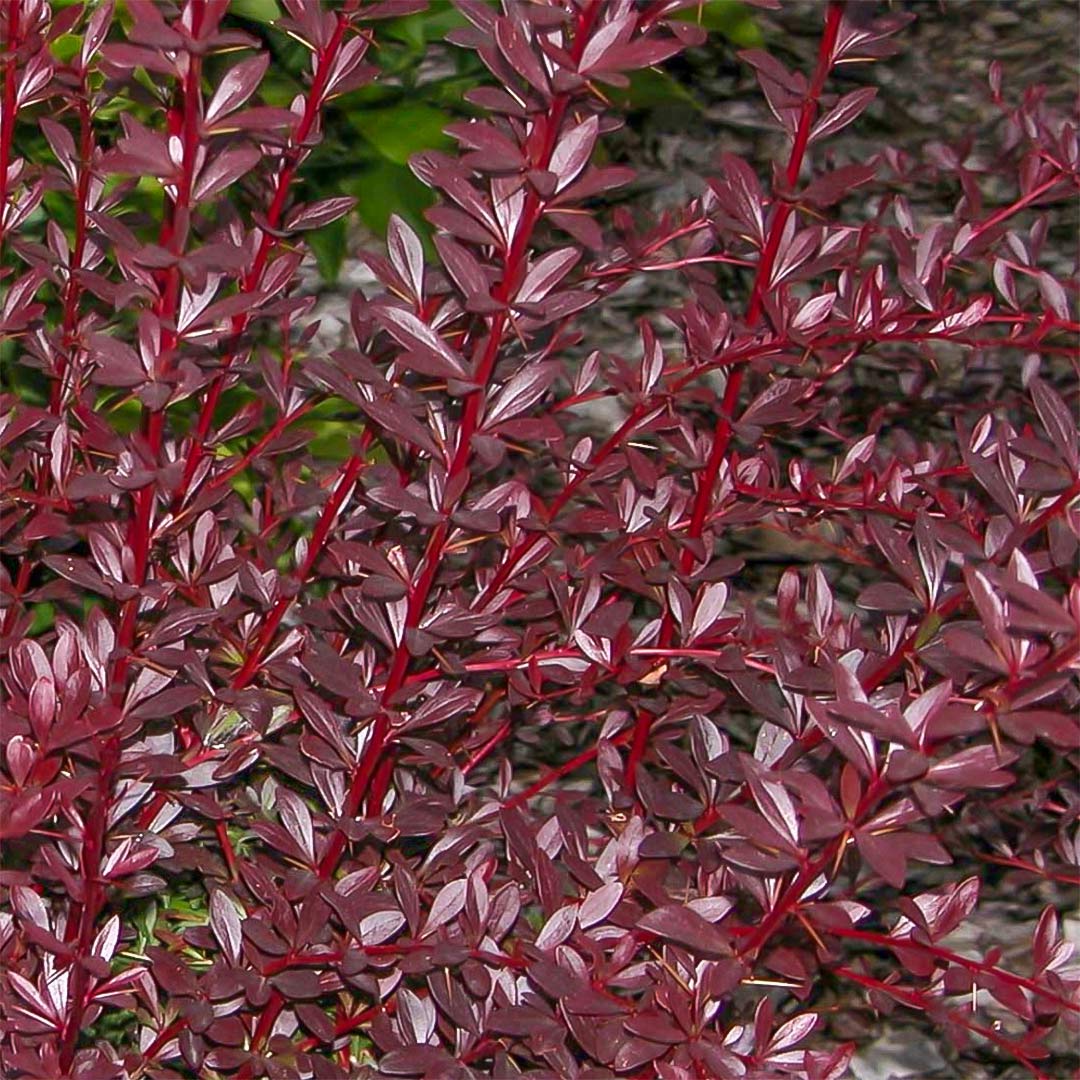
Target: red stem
1006, 212
482, 752
528, 542
730, 359
85, 915
916, 1000
1023, 530
722, 435
66, 371
372, 775
163, 1037
326, 59
1031, 868
344, 1027
7, 113
257, 448
946, 954
370, 768
7, 136
790, 897
318, 539
564, 769
254, 659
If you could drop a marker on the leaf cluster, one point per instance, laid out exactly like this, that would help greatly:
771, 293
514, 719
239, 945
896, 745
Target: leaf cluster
508, 736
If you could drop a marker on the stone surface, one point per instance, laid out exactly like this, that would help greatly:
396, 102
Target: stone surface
900, 1054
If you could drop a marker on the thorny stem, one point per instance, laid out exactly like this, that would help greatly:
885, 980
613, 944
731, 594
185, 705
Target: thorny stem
482, 752
352, 467
325, 959
346, 1025
257, 448
140, 538
530, 215
567, 767
371, 777
7, 135
916, 1000
947, 954
546, 656
789, 899
801, 499
66, 371
895, 660
581, 475
323, 526
327, 57
261, 647
67, 375
724, 425
1032, 868
722, 436
1024, 530
1006, 212
7, 113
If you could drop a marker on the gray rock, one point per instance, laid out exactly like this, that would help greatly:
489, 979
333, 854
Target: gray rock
899, 1054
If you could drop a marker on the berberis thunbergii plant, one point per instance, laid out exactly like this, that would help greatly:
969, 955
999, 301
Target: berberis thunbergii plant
491, 749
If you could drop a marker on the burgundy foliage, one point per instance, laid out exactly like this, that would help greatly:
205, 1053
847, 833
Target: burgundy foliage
493, 749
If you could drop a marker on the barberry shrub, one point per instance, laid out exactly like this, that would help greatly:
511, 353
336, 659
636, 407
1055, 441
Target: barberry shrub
511, 742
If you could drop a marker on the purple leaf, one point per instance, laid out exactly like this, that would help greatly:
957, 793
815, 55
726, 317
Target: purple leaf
296, 820
521, 392
558, 928
422, 341
686, 927
236, 86
448, 904
224, 169
844, 112
599, 904
225, 923
572, 152
317, 214
406, 255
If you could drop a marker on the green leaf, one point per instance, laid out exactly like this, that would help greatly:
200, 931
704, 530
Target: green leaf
58, 208
431, 25
930, 626
403, 130
114, 107
450, 92
329, 245
261, 11
331, 408
330, 439
44, 617
409, 30
66, 46
116, 1026
385, 189
144, 926
653, 89
278, 87
229, 404
728, 17
124, 418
